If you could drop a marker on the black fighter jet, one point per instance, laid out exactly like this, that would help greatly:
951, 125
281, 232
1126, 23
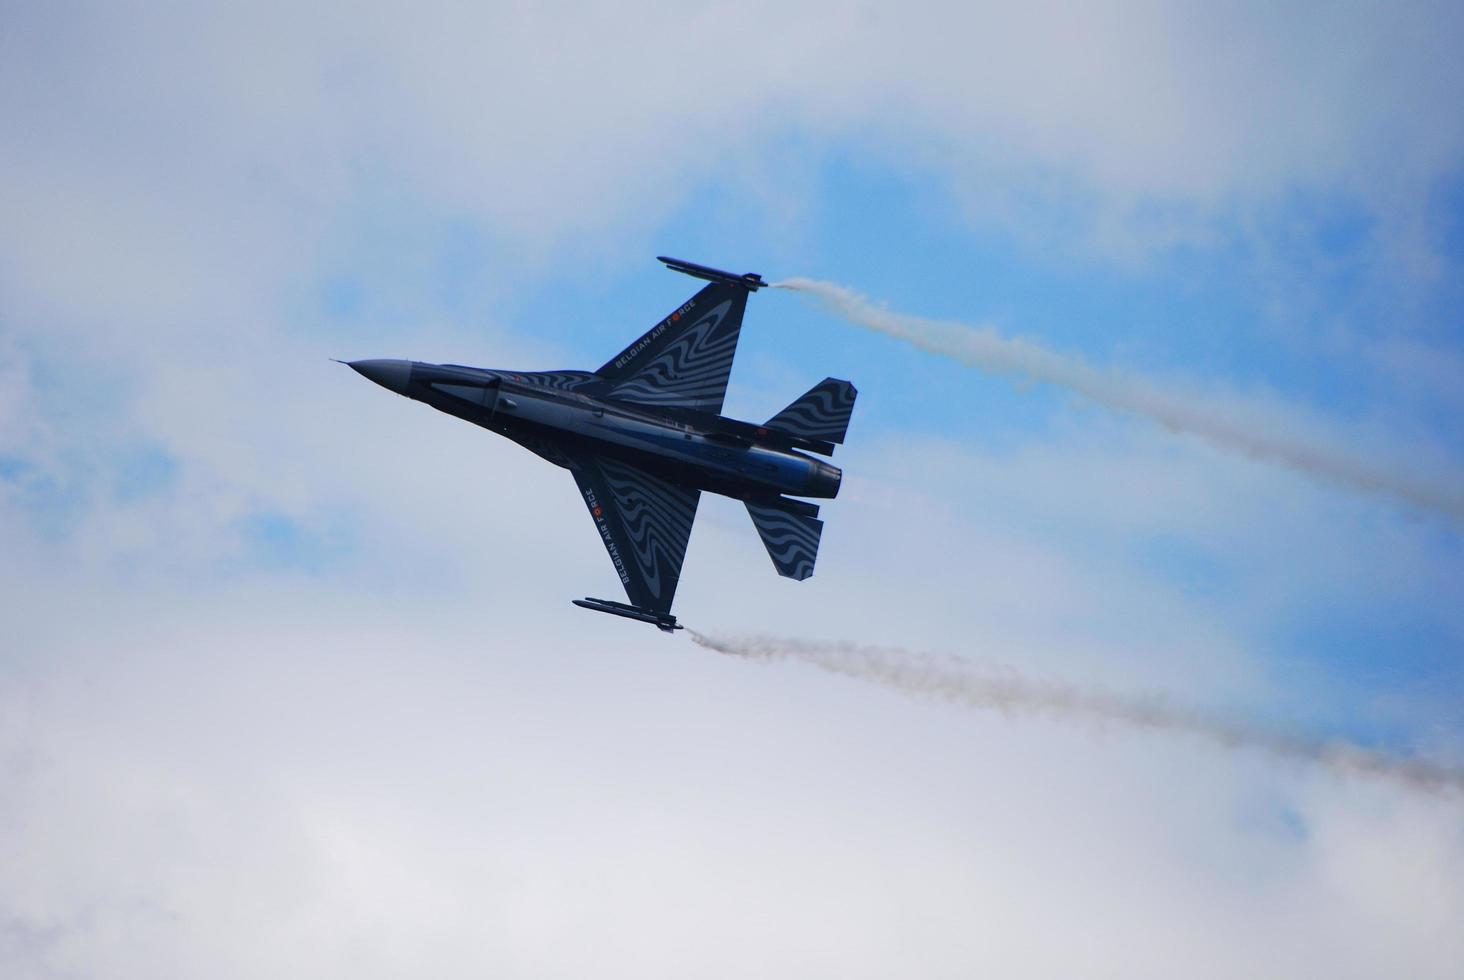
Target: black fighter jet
644, 436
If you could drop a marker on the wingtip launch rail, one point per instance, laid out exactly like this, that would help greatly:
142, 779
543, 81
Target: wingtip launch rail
750, 281
662, 621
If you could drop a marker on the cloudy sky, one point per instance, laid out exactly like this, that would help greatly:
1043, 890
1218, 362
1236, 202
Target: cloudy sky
289, 680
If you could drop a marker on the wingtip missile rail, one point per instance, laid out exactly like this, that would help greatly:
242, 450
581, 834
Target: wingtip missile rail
750, 281
662, 621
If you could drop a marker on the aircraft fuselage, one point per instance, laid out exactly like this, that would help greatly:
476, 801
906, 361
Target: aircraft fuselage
709, 452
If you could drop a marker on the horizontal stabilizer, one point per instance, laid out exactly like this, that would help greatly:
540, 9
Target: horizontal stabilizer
820, 414
790, 537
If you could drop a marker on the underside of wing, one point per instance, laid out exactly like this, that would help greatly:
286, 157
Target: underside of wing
644, 523
685, 359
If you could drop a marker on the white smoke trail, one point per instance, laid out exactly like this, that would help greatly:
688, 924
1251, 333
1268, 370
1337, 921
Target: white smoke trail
1005, 690
1257, 436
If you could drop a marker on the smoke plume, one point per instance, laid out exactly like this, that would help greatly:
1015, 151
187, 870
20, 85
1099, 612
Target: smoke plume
1005, 690
1251, 432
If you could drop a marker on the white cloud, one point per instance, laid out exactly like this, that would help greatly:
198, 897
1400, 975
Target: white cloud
428, 788
553, 126
411, 762
426, 760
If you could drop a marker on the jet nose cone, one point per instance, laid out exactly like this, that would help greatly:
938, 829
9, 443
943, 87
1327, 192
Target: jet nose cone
388, 373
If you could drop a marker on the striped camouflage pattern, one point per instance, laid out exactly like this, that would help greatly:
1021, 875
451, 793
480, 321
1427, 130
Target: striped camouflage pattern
683, 361
644, 524
822, 413
562, 380
791, 539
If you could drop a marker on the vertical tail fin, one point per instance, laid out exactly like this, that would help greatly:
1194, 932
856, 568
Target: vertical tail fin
790, 537
821, 413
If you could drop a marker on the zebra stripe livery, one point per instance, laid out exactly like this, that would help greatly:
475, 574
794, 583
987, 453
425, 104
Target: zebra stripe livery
691, 372
563, 380
657, 517
821, 413
683, 361
791, 539
644, 523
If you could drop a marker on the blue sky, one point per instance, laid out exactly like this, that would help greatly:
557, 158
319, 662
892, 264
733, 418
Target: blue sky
319, 635
1195, 314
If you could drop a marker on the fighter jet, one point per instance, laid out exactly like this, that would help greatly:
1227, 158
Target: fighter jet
643, 436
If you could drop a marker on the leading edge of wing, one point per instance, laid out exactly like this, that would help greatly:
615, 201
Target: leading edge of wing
683, 361
644, 523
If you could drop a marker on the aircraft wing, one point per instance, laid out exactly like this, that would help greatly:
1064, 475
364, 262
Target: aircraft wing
685, 359
643, 522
